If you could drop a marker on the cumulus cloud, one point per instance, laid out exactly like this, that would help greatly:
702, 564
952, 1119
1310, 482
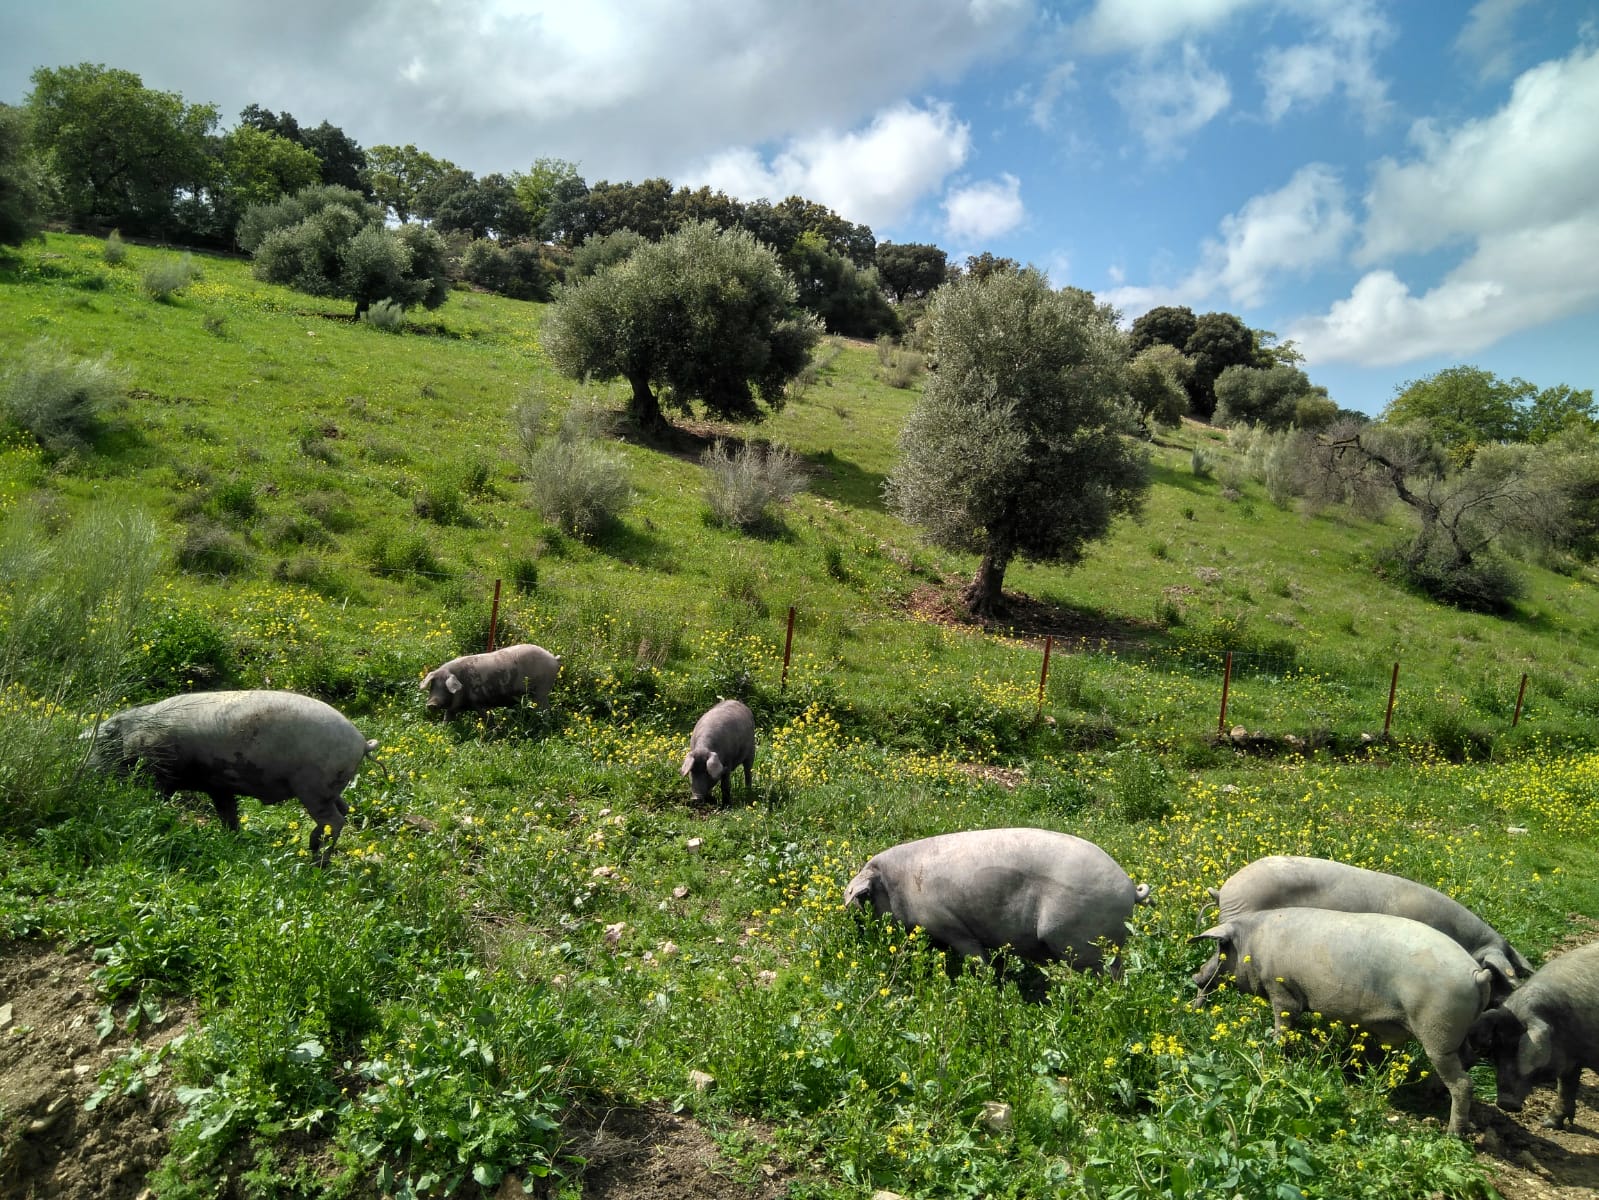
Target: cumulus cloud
982, 211
1533, 162
1304, 224
627, 90
1512, 282
1168, 100
873, 175
1488, 39
1121, 25
1338, 56
1519, 187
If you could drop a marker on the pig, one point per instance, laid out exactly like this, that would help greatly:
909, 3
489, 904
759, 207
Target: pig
1394, 977
724, 738
1547, 1029
496, 679
267, 744
1290, 881
1044, 896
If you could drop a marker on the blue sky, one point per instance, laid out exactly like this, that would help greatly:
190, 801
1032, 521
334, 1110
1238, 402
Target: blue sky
1397, 186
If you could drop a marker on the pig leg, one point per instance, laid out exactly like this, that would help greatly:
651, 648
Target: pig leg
1285, 1008
1566, 1089
227, 806
329, 814
1454, 1077
749, 787
727, 789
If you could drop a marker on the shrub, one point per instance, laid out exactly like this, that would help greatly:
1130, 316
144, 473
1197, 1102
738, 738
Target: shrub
165, 279
211, 549
1485, 583
1140, 785
412, 554
61, 399
441, 501
576, 483
742, 487
115, 249
385, 315
183, 651
1200, 463
898, 366
524, 573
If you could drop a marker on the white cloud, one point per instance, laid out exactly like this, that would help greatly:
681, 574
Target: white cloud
1513, 282
1338, 55
1167, 101
1121, 25
1303, 225
982, 211
1534, 162
1487, 37
872, 176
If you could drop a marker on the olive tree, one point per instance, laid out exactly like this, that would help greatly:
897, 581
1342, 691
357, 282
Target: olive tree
708, 314
1020, 443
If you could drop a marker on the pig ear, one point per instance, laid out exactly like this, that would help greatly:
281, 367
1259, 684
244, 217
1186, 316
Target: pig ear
427, 681
688, 763
452, 684
713, 766
1500, 966
1538, 1035
1216, 933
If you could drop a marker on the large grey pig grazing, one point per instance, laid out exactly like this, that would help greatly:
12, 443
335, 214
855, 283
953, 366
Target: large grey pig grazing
723, 739
496, 679
1045, 896
271, 745
1394, 977
1290, 881
1547, 1029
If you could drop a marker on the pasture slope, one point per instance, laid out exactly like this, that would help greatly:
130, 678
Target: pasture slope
533, 965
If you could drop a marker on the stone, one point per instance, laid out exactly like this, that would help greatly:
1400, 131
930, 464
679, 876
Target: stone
701, 1081
996, 1116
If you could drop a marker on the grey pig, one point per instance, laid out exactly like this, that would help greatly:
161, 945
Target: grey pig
1291, 881
723, 738
496, 679
1042, 894
1393, 977
271, 745
1547, 1029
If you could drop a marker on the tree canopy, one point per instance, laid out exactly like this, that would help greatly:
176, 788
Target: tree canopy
1274, 397
23, 188
706, 314
1464, 407
119, 151
1019, 446
329, 241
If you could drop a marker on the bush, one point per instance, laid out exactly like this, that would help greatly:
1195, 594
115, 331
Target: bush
385, 315
519, 270
165, 279
59, 398
183, 651
115, 249
743, 486
576, 483
412, 554
211, 549
1485, 583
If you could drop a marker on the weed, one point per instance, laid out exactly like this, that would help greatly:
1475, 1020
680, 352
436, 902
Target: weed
212, 549
167, 278
62, 400
524, 575
743, 486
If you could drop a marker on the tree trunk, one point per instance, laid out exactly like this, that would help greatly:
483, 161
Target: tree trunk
984, 595
644, 408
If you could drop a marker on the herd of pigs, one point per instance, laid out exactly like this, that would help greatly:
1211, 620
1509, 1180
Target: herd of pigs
1394, 957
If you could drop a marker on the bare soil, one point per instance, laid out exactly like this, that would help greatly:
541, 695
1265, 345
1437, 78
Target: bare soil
1027, 619
51, 1058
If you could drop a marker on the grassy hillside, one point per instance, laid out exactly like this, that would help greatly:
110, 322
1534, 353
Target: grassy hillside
516, 927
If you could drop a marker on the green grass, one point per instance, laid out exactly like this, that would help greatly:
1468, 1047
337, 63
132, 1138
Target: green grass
514, 923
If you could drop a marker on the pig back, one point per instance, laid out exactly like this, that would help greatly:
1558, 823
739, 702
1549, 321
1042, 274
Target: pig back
267, 744
1046, 894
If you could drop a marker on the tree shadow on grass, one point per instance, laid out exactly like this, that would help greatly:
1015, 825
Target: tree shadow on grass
1030, 619
634, 545
843, 481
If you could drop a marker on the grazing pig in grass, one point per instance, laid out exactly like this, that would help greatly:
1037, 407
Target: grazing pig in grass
274, 746
1393, 977
496, 679
1042, 895
1548, 1029
1289, 881
724, 738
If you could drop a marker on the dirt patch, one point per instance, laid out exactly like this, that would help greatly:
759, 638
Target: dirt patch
651, 1153
1006, 777
51, 1059
1027, 619
1528, 1162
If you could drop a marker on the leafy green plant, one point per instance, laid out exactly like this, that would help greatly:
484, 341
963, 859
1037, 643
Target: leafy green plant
114, 250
